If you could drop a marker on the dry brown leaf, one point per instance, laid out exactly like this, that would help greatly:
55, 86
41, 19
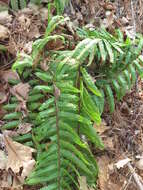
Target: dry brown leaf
43, 64
83, 183
3, 93
5, 17
101, 128
8, 74
34, 32
2, 113
103, 172
108, 6
28, 47
21, 91
24, 21
19, 156
3, 32
10, 133
122, 163
5, 180
24, 128
44, 13
3, 160
109, 143
139, 163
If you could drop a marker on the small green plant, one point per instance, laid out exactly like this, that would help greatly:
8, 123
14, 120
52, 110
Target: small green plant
65, 102
60, 5
20, 4
115, 62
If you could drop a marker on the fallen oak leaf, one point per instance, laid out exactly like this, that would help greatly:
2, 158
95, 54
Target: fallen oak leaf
19, 156
21, 91
3, 160
8, 74
122, 163
3, 32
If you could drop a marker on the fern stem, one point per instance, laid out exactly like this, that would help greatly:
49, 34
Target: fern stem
58, 135
79, 103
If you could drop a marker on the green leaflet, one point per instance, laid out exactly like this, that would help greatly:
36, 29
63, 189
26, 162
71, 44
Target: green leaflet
117, 88
69, 97
68, 146
43, 88
11, 125
109, 50
35, 97
60, 5
91, 56
10, 107
123, 84
92, 135
33, 106
74, 117
116, 47
14, 4
44, 76
141, 59
133, 73
99, 101
89, 82
12, 116
139, 68
86, 51
47, 103
67, 154
140, 46
110, 97
43, 179
89, 106
102, 50
128, 58
23, 138
47, 113
66, 88
55, 21
120, 35
21, 63
127, 77
80, 47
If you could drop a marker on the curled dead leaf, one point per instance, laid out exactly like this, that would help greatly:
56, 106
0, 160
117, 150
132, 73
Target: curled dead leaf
8, 74
5, 17
3, 32
122, 163
21, 91
19, 156
3, 160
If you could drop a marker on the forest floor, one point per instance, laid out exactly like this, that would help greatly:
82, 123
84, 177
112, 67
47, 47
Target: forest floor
121, 132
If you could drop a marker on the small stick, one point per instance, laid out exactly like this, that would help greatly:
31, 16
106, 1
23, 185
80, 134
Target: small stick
135, 176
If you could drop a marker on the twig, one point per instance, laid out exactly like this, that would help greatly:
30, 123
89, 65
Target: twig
57, 94
133, 16
135, 176
127, 184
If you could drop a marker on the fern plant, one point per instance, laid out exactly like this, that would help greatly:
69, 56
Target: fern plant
66, 113
115, 62
65, 101
60, 5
